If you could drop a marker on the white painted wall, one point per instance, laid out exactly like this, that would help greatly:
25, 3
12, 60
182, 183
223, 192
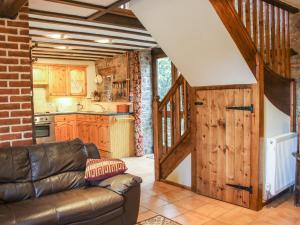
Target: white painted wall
195, 39
91, 70
183, 173
276, 122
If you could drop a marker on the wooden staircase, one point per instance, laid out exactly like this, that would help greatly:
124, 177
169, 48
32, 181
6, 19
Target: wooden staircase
260, 29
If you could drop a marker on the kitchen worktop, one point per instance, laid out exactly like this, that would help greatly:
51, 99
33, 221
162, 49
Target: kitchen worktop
84, 113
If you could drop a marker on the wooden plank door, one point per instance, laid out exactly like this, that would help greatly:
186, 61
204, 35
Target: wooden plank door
58, 85
223, 144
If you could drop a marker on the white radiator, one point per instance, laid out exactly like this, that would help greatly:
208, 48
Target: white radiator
280, 165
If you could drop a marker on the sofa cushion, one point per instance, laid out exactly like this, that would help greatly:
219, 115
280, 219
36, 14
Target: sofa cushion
54, 158
63, 208
15, 175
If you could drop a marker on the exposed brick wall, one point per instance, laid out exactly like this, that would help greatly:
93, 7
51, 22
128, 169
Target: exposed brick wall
15, 81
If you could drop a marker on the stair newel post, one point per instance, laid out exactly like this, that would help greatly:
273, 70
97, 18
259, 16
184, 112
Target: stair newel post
157, 134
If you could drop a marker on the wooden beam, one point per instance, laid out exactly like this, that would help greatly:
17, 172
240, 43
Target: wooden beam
88, 41
58, 52
282, 5
68, 58
10, 8
115, 20
34, 28
88, 26
53, 49
108, 9
80, 45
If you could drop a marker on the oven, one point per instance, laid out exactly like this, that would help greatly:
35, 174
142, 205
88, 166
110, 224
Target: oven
44, 129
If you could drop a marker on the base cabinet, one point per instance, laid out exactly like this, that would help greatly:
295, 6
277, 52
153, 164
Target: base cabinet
113, 135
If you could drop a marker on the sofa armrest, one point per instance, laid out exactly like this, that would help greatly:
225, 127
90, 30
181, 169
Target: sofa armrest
121, 184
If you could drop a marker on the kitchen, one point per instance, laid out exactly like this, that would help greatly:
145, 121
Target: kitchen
87, 100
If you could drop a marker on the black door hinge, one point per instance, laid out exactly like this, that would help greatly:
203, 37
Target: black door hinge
244, 188
243, 108
198, 103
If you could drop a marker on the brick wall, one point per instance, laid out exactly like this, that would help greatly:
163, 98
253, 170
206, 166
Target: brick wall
15, 82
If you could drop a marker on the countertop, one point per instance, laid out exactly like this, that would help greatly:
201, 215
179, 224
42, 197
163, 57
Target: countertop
84, 113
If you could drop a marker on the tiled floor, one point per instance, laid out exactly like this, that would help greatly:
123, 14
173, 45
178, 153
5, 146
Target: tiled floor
189, 208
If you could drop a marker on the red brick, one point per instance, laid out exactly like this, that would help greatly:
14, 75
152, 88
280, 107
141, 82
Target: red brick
26, 106
2, 53
3, 99
20, 113
19, 69
3, 84
24, 32
21, 143
4, 144
17, 24
4, 114
7, 137
25, 61
9, 46
18, 39
9, 61
26, 120
26, 76
9, 121
3, 68
9, 91
21, 128
9, 106
20, 98
2, 37
19, 54
2, 22
24, 9
26, 91
4, 130
28, 135
23, 17
24, 46
20, 83
4, 30
9, 76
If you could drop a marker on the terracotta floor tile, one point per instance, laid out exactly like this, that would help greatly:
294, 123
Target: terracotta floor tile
170, 210
173, 196
214, 222
238, 216
143, 210
153, 202
190, 203
191, 218
211, 210
147, 215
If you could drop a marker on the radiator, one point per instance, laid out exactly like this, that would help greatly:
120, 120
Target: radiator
280, 165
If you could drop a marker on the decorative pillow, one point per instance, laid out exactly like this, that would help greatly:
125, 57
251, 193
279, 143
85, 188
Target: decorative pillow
100, 169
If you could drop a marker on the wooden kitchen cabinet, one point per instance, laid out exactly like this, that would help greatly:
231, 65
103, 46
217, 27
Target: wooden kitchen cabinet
65, 127
58, 80
77, 80
40, 74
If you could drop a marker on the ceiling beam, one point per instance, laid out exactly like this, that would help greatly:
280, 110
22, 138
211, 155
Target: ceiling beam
64, 55
10, 8
61, 52
66, 58
80, 40
80, 45
88, 26
34, 28
116, 20
80, 49
108, 9
92, 52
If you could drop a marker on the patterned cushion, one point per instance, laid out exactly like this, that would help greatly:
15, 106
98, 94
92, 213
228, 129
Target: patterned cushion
100, 169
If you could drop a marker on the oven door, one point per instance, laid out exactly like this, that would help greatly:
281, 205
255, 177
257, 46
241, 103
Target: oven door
44, 133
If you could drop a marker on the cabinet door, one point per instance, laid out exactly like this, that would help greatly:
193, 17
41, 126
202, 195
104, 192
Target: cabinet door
40, 74
103, 135
64, 131
58, 85
83, 131
77, 80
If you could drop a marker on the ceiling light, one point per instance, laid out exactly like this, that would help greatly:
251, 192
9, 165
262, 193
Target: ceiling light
62, 47
104, 41
57, 36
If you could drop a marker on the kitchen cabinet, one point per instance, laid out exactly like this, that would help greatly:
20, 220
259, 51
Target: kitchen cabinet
58, 83
113, 135
77, 80
40, 74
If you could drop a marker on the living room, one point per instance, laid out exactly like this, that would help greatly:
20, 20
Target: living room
105, 120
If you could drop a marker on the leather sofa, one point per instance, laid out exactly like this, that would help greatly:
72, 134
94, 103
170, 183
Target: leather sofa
44, 185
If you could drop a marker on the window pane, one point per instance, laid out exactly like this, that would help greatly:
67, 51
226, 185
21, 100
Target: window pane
164, 76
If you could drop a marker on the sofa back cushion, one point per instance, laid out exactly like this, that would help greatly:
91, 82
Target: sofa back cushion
53, 166
15, 175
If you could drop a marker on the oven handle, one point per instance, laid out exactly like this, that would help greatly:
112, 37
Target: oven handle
42, 124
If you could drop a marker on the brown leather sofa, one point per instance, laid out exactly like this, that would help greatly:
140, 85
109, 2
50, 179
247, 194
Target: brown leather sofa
44, 185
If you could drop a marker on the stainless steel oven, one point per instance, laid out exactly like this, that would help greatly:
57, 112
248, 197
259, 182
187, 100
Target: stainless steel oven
44, 129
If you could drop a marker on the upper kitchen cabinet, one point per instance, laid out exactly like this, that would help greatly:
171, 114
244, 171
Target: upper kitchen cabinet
58, 80
40, 74
77, 80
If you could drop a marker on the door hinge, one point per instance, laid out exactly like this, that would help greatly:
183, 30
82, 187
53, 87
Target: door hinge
243, 108
244, 188
198, 103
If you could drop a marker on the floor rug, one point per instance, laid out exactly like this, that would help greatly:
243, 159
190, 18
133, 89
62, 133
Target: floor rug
158, 220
